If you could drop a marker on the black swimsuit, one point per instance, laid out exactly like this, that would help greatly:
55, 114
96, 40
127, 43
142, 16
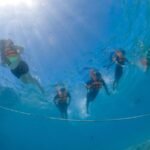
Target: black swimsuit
21, 69
94, 90
119, 68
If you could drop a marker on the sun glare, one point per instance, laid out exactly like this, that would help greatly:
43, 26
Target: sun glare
28, 3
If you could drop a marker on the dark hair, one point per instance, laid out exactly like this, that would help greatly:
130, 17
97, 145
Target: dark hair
122, 50
98, 75
63, 89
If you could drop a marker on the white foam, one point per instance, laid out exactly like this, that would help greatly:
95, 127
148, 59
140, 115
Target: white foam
82, 108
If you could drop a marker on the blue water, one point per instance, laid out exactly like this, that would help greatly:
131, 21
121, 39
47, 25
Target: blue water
60, 38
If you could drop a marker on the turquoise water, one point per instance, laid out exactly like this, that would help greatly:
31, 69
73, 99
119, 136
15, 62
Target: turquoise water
60, 38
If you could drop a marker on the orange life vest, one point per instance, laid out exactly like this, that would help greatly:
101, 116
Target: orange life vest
9, 52
63, 97
96, 84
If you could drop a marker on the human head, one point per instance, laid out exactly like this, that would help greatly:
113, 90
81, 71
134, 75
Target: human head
8, 43
61, 91
5, 43
120, 52
95, 74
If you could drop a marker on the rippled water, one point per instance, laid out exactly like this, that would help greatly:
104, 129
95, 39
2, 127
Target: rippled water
60, 38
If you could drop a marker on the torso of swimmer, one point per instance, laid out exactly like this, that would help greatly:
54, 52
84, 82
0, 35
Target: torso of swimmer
62, 96
10, 53
96, 81
119, 58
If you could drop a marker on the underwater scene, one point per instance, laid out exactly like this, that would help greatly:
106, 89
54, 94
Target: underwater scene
75, 74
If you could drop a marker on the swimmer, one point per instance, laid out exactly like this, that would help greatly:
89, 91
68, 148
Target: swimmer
145, 61
62, 101
93, 86
119, 59
11, 57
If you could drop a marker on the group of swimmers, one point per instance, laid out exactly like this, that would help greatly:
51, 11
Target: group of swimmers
11, 57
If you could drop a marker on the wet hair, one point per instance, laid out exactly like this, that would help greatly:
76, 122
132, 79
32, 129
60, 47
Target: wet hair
122, 51
62, 90
11, 42
98, 75
3, 42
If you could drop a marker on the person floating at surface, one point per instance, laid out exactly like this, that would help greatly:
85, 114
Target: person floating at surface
119, 59
93, 86
145, 61
62, 101
11, 57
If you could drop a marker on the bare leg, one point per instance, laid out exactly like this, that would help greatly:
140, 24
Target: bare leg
88, 100
27, 78
91, 95
66, 114
87, 107
118, 75
115, 83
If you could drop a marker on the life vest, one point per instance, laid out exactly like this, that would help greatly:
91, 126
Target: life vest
121, 60
62, 98
10, 53
96, 84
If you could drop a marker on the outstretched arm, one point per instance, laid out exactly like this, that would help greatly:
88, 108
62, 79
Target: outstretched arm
55, 100
69, 98
88, 84
105, 87
122, 64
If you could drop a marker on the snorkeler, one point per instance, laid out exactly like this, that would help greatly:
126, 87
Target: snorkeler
93, 86
11, 57
119, 59
62, 101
